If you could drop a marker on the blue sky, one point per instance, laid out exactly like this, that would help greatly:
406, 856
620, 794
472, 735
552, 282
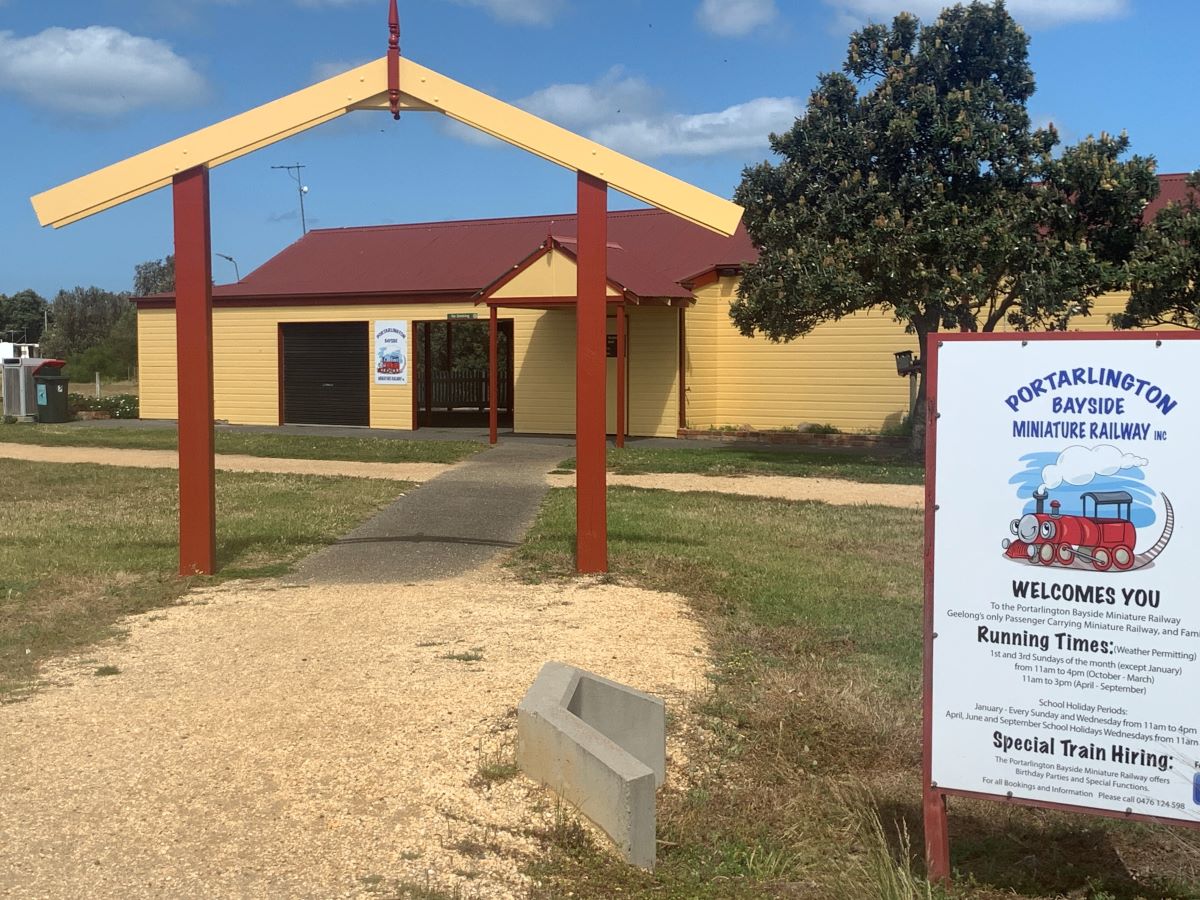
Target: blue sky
690, 86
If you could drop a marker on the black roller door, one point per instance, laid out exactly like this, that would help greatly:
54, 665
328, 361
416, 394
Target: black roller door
326, 373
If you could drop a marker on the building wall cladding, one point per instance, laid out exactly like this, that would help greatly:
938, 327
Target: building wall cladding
246, 357
842, 374
246, 364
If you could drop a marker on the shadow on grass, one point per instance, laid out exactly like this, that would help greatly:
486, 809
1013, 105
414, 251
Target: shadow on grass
814, 617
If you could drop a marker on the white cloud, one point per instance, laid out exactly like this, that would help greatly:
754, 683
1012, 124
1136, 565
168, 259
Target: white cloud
580, 106
1033, 12
96, 72
1079, 465
624, 112
519, 12
736, 129
735, 18
325, 70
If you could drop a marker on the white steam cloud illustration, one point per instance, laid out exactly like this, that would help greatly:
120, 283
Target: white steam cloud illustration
1078, 465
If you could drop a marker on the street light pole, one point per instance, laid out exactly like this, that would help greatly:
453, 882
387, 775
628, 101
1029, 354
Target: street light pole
236, 273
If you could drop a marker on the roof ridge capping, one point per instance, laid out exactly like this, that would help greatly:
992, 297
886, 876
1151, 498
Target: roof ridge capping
497, 220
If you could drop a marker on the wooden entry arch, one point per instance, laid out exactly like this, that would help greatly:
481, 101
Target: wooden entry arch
390, 83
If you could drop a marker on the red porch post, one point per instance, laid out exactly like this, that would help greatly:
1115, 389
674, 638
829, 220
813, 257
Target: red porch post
621, 374
591, 515
194, 365
429, 374
450, 364
493, 376
413, 390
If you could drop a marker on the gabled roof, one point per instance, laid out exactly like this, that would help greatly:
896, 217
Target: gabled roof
366, 87
650, 251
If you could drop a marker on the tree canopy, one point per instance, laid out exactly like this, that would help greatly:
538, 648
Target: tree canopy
82, 318
155, 276
1164, 272
22, 316
916, 183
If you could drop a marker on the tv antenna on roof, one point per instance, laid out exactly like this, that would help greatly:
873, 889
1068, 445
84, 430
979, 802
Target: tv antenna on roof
294, 171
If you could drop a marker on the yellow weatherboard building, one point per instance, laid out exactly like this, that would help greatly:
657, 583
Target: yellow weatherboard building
293, 341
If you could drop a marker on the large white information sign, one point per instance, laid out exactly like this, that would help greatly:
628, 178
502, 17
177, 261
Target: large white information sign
1066, 572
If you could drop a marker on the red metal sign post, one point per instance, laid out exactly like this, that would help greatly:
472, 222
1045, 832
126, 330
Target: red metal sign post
591, 515
937, 832
194, 368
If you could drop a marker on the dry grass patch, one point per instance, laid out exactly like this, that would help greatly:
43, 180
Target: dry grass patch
82, 546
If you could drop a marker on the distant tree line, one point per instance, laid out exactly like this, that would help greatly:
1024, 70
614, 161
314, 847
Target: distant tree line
94, 330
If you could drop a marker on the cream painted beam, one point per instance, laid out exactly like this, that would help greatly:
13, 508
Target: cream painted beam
383, 102
210, 146
366, 88
525, 130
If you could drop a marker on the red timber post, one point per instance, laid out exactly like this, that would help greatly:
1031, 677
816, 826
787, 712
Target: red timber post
493, 376
621, 374
194, 371
591, 514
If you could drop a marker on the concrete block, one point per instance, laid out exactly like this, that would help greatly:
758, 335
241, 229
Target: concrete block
602, 747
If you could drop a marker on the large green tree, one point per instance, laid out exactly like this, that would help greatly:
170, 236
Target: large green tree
22, 316
1164, 273
916, 183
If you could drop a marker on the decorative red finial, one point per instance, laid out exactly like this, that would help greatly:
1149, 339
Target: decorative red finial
393, 58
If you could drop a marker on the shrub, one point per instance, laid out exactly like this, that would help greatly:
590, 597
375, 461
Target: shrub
903, 428
119, 406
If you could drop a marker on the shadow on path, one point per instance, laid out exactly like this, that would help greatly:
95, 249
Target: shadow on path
448, 526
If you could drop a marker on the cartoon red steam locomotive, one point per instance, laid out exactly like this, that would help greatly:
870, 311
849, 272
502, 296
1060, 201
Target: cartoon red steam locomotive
1053, 538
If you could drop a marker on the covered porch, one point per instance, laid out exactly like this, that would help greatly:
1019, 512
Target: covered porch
644, 390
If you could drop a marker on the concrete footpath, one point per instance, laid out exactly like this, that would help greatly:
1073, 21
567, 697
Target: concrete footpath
453, 524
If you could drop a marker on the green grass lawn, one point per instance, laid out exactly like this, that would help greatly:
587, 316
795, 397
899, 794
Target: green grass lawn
808, 777
81, 546
281, 446
881, 469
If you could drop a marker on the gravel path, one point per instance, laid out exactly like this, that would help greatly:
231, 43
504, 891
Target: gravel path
231, 462
267, 740
835, 491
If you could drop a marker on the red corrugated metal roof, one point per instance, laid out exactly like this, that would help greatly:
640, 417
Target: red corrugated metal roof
1172, 189
649, 251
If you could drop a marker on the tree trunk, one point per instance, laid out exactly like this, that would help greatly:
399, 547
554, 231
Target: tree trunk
919, 418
